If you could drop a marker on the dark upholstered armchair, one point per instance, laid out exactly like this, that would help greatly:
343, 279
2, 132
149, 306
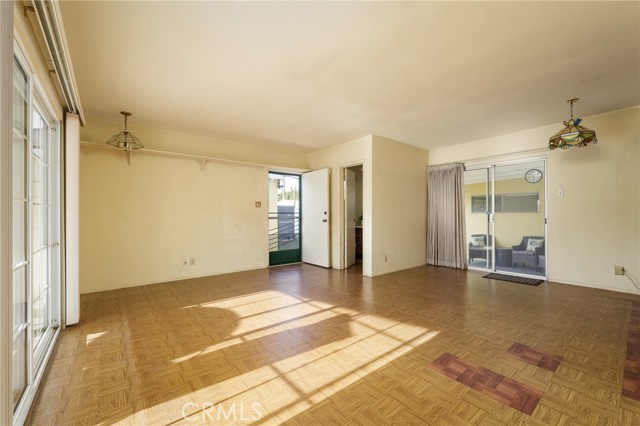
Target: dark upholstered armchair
482, 251
527, 253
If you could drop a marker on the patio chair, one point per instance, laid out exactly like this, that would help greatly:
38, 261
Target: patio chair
527, 254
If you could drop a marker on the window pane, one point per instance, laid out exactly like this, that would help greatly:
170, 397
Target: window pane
39, 185
41, 141
19, 166
521, 203
38, 227
19, 298
19, 367
19, 223
40, 317
19, 226
39, 272
39, 133
19, 163
20, 88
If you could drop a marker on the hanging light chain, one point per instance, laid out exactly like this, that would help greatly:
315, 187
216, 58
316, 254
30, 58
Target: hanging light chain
125, 119
571, 101
126, 115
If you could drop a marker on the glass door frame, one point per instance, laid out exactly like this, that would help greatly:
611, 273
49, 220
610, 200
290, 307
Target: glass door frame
37, 357
488, 234
491, 220
287, 256
21, 266
53, 234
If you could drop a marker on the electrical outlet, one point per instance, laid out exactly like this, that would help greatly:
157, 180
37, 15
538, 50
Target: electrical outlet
618, 270
192, 261
258, 204
185, 262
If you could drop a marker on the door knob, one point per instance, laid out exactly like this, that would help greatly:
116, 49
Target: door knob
324, 220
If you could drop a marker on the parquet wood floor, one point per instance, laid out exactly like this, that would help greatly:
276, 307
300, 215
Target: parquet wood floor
301, 345
534, 356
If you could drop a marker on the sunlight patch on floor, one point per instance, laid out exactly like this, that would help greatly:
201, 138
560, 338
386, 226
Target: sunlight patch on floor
295, 353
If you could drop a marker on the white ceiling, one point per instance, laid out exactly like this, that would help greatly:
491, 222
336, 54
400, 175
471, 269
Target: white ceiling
308, 75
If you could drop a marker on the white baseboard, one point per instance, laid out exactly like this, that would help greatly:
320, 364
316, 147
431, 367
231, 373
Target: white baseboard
172, 279
590, 285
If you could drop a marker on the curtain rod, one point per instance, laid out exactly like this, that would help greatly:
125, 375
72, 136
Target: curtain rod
492, 157
202, 159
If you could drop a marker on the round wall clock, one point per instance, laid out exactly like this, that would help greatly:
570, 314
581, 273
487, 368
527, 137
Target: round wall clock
533, 176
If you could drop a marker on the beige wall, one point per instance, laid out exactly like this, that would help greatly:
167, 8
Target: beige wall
596, 224
138, 222
163, 140
593, 227
509, 227
394, 200
350, 153
399, 206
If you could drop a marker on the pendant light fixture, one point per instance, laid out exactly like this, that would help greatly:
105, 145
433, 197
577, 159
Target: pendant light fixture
125, 140
573, 133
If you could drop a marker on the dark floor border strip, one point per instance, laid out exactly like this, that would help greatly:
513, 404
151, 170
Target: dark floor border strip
517, 395
631, 378
534, 356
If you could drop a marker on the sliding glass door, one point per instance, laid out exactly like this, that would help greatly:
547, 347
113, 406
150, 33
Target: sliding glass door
519, 215
477, 189
21, 265
36, 237
45, 246
506, 203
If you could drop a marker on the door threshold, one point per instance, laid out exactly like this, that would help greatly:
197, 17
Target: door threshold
285, 264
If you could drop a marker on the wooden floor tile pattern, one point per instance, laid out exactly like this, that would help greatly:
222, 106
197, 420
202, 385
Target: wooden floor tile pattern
534, 356
515, 394
301, 345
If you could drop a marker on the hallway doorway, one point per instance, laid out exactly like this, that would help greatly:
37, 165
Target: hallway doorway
353, 215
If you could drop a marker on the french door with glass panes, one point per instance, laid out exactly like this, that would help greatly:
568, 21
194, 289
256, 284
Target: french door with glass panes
36, 236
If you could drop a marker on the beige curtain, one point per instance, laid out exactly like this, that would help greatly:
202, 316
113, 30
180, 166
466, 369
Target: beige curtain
446, 231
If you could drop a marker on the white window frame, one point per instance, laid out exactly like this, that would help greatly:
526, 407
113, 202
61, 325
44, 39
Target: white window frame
6, 202
37, 95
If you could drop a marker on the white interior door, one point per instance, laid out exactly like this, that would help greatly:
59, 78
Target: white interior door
315, 218
350, 217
